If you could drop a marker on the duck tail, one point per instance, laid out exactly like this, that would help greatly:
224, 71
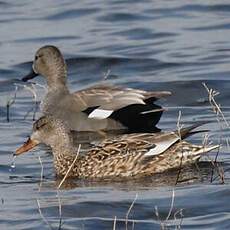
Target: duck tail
188, 131
139, 117
202, 150
153, 96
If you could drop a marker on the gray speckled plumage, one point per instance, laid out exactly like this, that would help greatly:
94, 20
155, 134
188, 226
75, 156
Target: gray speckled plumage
71, 107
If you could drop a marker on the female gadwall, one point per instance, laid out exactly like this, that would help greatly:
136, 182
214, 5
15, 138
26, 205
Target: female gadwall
102, 107
130, 155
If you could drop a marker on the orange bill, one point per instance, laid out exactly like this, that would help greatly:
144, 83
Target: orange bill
28, 145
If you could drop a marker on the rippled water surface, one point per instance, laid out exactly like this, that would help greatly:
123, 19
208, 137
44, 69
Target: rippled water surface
153, 45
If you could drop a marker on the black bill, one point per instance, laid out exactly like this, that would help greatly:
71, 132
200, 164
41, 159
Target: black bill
29, 76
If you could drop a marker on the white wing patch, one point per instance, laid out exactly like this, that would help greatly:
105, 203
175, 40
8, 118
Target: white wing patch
100, 114
161, 146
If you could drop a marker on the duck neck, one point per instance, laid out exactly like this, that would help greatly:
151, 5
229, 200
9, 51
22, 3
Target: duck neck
57, 79
64, 155
57, 84
64, 146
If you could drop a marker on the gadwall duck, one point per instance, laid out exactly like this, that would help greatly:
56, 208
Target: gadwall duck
102, 107
129, 155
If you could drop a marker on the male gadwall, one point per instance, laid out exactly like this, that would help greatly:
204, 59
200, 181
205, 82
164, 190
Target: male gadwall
130, 155
102, 107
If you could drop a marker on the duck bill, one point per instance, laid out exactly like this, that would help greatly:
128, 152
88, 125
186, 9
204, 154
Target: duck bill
29, 76
28, 145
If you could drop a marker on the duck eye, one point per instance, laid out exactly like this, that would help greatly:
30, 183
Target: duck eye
39, 126
36, 57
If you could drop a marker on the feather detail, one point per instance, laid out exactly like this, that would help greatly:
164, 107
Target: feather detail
161, 147
100, 114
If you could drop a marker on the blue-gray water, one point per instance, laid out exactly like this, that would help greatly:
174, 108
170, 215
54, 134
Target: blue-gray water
153, 45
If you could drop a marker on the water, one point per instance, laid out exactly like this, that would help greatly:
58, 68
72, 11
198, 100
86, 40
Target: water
153, 45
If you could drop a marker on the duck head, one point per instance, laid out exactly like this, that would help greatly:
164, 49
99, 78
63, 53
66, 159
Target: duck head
49, 63
49, 131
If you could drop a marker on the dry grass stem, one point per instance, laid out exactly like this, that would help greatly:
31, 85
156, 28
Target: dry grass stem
216, 108
153, 111
220, 117
157, 214
178, 124
10, 102
216, 167
39, 85
172, 204
60, 211
41, 175
215, 164
164, 224
179, 127
106, 75
227, 143
180, 211
42, 216
133, 225
71, 166
206, 141
114, 223
129, 210
33, 90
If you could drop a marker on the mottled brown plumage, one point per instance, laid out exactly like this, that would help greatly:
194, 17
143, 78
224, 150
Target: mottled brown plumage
131, 155
101, 107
